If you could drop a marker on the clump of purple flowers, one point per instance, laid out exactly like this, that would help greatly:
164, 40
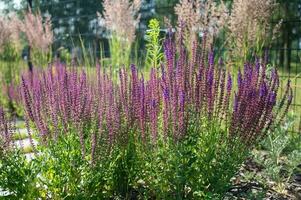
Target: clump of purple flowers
61, 99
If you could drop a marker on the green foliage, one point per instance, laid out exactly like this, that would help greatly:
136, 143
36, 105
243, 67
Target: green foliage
9, 76
120, 50
88, 57
61, 168
154, 53
199, 167
17, 176
65, 56
10, 52
40, 58
10, 61
279, 156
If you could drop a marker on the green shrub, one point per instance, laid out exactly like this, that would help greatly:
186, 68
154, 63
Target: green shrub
18, 176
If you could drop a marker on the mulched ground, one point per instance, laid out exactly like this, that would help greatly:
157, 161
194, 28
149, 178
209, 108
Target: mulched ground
246, 189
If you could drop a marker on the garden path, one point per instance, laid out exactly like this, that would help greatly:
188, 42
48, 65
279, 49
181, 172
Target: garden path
22, 141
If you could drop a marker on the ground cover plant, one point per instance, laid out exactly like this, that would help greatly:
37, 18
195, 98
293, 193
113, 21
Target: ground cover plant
279, 159
273, 169
156, 137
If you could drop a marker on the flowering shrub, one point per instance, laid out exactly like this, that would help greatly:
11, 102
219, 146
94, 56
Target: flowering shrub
182, 132
161, 105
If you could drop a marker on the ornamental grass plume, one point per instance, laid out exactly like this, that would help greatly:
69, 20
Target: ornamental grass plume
249, 24
121, 17
199, 16
38, 32
9, 33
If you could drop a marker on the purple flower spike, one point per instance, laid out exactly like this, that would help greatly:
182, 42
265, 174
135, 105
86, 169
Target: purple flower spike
272, 99
211, 59
263, 89
229, 83
235, 103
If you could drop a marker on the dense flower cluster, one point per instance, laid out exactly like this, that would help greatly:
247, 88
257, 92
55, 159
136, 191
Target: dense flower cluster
59, 99
254, 102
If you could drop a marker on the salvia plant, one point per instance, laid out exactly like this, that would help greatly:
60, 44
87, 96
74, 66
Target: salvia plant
180, 133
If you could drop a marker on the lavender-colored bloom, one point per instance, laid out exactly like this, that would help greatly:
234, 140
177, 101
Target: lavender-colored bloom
210, 78
272, 99
27, 98
235, 107
290, 99
142, 108
211, 59
229, 83
263, 90
166, 93
182, 100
